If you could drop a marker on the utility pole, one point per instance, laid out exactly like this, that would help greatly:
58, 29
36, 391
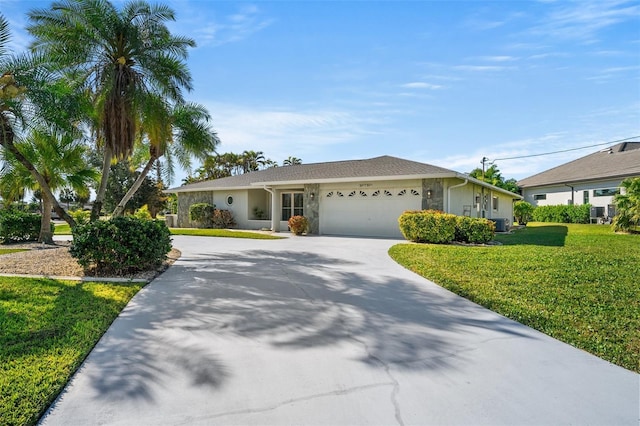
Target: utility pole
484, 162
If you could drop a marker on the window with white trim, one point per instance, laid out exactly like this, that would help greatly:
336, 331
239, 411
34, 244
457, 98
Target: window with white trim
292, 204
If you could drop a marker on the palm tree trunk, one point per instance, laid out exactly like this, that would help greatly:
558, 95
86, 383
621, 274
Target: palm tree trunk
46, 236
6, 140
102, 189
119, 210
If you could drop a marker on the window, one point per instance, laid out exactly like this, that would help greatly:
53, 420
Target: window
538, 197
494, 203
292, 204
606, 192
229, 200
585, 197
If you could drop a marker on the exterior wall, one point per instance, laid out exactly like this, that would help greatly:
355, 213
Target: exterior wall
561, 194
260, 199
312, 207
186, 199
463, 201
432, 194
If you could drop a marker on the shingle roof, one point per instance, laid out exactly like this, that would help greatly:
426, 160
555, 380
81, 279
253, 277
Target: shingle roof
378, 167
619, 161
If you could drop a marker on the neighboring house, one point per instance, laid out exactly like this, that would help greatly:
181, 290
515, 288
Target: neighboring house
355, 197
594, 179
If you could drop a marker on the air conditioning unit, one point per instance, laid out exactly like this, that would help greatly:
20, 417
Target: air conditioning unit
502, 225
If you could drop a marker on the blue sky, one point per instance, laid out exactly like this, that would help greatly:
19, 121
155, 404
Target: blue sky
445, 83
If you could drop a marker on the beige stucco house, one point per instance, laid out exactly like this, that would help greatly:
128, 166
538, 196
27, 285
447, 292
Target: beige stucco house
353, 197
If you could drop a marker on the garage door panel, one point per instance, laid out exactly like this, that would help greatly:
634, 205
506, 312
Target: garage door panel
372, 212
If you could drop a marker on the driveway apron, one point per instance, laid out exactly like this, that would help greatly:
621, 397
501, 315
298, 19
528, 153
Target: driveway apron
328, 331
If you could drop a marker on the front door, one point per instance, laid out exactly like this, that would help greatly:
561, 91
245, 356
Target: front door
292, 205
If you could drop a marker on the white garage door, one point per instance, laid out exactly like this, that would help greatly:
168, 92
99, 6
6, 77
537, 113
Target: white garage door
370, 212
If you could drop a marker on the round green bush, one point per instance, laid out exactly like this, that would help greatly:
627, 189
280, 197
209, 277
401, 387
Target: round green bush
121, 245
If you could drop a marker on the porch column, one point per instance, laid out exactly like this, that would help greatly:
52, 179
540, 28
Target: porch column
275, 210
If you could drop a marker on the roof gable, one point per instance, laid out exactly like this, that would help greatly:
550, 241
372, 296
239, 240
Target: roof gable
619, 161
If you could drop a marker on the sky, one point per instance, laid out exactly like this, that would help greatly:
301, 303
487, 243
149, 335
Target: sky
441, 82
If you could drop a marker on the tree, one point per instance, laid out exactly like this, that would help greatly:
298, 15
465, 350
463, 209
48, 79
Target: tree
181, 132
493, 176
123, 57
522, 211
31, 94
59, 159
252, 161
291, 161
627, 205
121, 178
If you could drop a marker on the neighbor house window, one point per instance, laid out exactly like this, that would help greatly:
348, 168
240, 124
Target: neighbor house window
585, 197
292, 204
494, 203
606, 192
538, 197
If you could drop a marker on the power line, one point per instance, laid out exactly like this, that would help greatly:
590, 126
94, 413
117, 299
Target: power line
566, 150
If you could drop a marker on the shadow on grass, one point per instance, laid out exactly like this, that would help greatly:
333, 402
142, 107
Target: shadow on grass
546, 235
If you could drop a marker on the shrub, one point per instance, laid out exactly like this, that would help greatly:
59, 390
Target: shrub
80, 216
562, 213
522, 211
16, 226
474, 230
428, 226
222, 219
143, 213
627, 205
121, 245
201, 213
298, 224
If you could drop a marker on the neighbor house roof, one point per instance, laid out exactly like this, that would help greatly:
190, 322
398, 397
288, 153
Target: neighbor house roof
379, 168
619, 161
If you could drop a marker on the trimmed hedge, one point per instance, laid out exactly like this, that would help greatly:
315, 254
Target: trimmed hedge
432, 226
201, 213
17, 226
121, 245
474, 230
562, 213
298, 224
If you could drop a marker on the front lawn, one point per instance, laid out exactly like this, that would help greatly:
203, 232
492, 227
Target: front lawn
64, 229
223, 233
577, 283
47, 328
8, 251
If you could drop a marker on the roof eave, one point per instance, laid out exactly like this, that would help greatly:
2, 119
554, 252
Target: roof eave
355, 178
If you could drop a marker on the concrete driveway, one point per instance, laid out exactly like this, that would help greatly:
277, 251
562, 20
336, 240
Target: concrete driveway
322, 330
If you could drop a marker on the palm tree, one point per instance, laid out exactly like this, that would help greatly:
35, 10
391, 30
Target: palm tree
252, 161
122, 57
31, 94
291, 161
59, 159
179, 133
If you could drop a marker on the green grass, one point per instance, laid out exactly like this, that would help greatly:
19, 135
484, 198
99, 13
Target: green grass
577, 283
223, 233
7, 251
64, 229
47, 328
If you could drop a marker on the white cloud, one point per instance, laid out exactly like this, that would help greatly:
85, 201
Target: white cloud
498, 58
235, 27
421, 85
582, 20
480, 68
280, 133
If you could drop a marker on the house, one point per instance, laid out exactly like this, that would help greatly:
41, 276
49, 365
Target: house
594, 179
354, 197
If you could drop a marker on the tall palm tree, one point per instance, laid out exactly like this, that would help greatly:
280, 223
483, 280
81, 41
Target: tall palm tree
59, 159
31, 94
179, 133
122, 56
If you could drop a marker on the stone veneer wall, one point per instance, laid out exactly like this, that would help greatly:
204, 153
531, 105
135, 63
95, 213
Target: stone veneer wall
436, 202
186, 199
312, 207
